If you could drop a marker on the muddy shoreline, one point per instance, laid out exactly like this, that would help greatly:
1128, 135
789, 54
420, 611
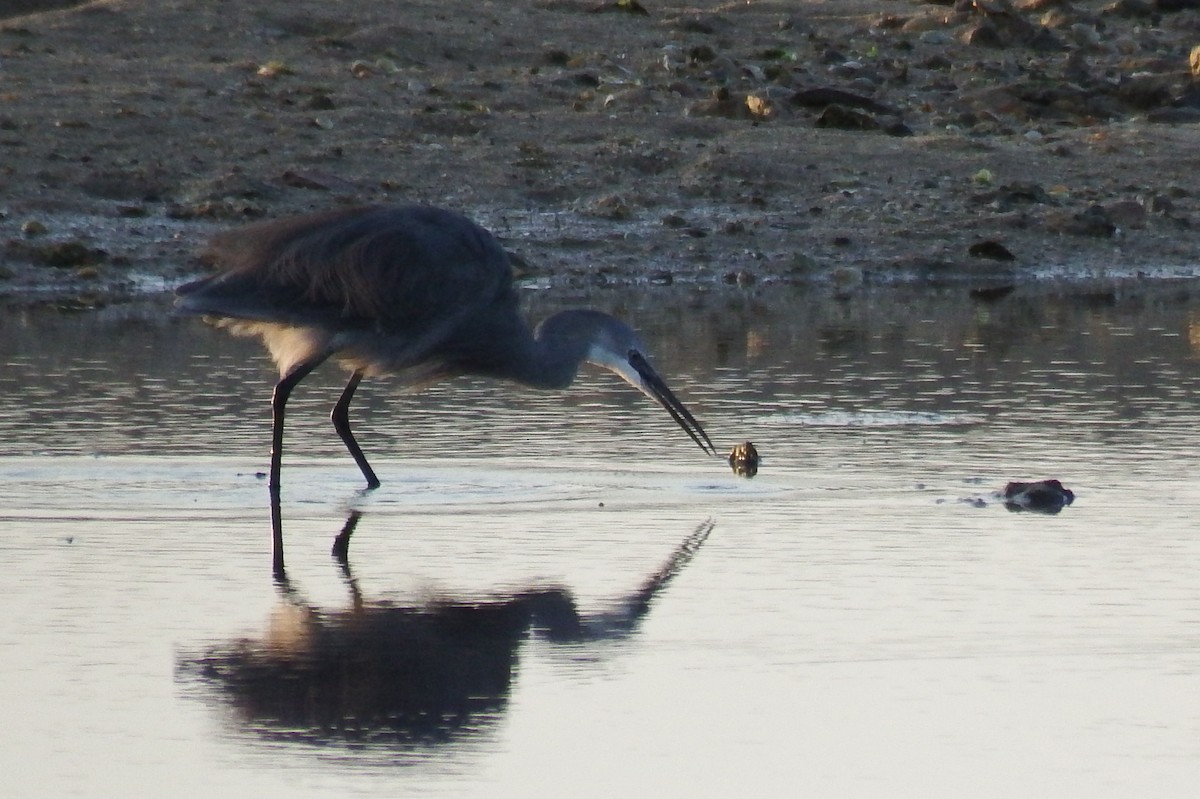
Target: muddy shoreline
847, 144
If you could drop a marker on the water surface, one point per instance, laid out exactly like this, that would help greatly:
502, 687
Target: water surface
559, 594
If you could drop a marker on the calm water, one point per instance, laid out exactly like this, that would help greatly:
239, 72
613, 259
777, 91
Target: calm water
560, 595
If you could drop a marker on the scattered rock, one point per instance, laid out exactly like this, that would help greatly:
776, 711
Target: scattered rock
612, 207
824, 96
844, 118
59, 254
625, 6
1128, 8
1094, 221
317, 181
740, 277
1012, 195
1043, 496
1157, 204
1174, 116
1126, 214
722, 103
991, 249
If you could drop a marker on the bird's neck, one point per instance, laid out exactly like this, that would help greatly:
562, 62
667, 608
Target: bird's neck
553, 353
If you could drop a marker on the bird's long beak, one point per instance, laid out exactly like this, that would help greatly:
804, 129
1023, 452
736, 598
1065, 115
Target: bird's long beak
653, 387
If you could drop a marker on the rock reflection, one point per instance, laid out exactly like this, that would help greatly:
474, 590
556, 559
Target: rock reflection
387, 674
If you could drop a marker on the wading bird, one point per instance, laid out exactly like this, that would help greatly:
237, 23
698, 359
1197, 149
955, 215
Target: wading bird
418, 292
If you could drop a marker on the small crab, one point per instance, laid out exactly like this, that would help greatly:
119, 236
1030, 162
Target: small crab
744, 460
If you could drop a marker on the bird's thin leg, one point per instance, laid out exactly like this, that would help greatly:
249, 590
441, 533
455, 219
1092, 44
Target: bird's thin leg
283, 389
341, 545
341, 423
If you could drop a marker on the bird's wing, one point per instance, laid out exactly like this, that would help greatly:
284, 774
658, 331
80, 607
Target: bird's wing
408, 271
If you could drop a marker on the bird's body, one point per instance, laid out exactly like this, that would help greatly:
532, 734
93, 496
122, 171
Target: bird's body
378, 287
413, 291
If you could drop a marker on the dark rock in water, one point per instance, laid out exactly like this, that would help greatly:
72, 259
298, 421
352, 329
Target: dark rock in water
992, 249
1043, 496
744, 460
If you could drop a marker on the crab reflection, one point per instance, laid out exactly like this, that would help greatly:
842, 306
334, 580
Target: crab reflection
381, 673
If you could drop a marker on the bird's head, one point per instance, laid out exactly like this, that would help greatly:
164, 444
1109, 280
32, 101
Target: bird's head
608, 342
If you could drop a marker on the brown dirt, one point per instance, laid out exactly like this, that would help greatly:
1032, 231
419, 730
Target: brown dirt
610, 141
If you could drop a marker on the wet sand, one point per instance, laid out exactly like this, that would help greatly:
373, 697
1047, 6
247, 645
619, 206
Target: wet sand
850, 142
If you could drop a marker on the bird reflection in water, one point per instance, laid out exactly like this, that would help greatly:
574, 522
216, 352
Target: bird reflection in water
388, 674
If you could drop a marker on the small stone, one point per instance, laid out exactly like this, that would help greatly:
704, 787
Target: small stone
720, 104
612, 207
983, 177
320, 102
1157, 204
33, 228
843, 118
1174, 116
274, 69
924, 23
1128, 8
760, 106
1126, 214
984, 34
992, 250
1042, 496
68, 255
1092, 222
935, 38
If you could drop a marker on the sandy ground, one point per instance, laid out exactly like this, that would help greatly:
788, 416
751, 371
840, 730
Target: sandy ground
856, 141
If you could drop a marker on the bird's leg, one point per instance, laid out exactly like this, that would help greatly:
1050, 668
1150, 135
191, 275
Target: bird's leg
341, 423
341, 544
283, 390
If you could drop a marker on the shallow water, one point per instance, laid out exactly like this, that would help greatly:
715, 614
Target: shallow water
558, 594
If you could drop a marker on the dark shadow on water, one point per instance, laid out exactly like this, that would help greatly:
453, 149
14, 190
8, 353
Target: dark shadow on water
381, 674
